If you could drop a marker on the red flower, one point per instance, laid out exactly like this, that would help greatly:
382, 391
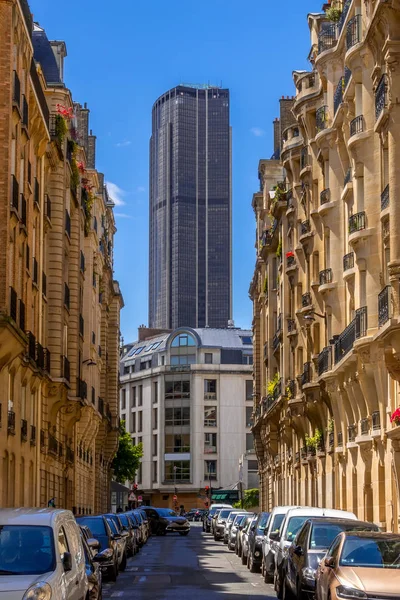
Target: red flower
289, 254
81, 166
395, 417
65, 112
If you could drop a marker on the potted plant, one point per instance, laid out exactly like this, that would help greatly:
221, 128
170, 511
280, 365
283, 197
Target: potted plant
334, 11
395, 417
279, 249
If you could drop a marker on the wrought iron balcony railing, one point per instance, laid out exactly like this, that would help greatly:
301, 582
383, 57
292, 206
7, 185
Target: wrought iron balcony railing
11, 422
347, 76
338, 95
36, 191
23, 210
325, 276
24, 430
35, 269
25, 112
356, 329
81, 386
101, 406
321, 118
42, 440
381, 96
305, 377
353, 32
384, 305
82, 263
33, 435
357, 222
66, 296
47, 206
347, 177
325, 196
305, 159
331, 439
376, 420
39, 355
343, 15
22, 315
52, 445
290, 261
44, 283
13, 304
81, 325
325, 360
327, 38
31, 345
291, 388
385, 199
348, 261
306, 299
340, 439
352, 432
357, 125
16, 89
291, 325
305, 227
14, 193
364, 426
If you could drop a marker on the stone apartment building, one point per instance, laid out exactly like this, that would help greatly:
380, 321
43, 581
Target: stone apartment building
325, 289
59, 304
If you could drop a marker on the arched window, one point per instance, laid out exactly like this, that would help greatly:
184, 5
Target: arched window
183, 340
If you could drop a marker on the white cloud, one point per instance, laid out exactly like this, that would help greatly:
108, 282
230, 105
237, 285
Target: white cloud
123, 144
116, 194
257, 131
141, 189
122, 215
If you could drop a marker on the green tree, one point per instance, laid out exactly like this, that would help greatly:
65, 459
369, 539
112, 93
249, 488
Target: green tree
127, 459
250, 499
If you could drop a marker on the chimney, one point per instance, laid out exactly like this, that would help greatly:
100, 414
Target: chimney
101, 181
60, 52
91, 151
277, 135
82, 115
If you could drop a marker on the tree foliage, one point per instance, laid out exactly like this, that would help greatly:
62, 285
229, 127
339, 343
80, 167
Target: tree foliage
127, 459
250, 499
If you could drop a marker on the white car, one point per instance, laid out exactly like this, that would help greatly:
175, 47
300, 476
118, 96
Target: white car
292, 523
268, 550
41, 555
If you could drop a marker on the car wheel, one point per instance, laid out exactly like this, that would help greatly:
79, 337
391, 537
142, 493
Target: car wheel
122, 566
267, 577
252, 567
114, 573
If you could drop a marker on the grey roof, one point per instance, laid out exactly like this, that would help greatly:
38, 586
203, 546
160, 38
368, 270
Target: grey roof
43, 54
224, 338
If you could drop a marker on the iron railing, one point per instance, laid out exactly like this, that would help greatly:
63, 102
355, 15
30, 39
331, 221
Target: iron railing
321, 118
325, 276
340, 439
347, 177
31, 345
66, 296
81, 386
343, 15
325, 360
357, 222
305, 159
331, 439
14, 193
353, 32
22, 315
33, 435
101, 406
347, 76
35, 268
52, 445
13, 304
376, 420
36, 192
348, 261
42, 440
291, 325
47, 360
305, 377
303, 453
327, 38
361, 319
352, 432
290, 261
338, 95
325, 196
95, 223
384, 305
11, 422
82, 263
381, 96
357, 125
364, 426
385, 199
356, 329
305, 227
291, 387
16, 89
39, 355
24, 430
44, 283
39, 91
306, 299
289, 197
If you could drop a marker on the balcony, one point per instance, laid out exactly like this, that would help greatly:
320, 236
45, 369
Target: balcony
321, 118
291, 389
305, 228
348, 261
278, 333
69, 455
291, 326
343, 15
347, 77
305, 159
303, 453
289, 198
66, 369
39, 355
290, 260
24, 430
381, 96
357, 222
31, 345
14, 194
352, 433
11, 422
22, 315
23, 211
95, 224
357, 125
13, 304
325, 196
340, 439
16, 91
385, 198
81, 325
364, 426
67, 223
384, 305
101, 406
47, 360
66, 296
306, 300
52, 445
327, 38
325, 277
35, 277
36, 82
347, 177
376, 420
325, 360
81, 388
355, 330
338, 95
305, 377
353, 32
331, 439
33, 435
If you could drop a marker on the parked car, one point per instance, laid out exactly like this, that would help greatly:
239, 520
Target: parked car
220, 521
93, 571
41, 555
239, 534
245, 539
214, 520
210, 514
194, 514
128, 525
146, 523
308, 549
268, 551
138, 522
291, 525
165, 520
122, 540
360, 565
255, 538
108, 549
234, 529
228, 524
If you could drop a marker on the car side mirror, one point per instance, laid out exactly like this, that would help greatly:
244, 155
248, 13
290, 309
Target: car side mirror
253, 528
330, 562
94, 544
274, 536
67, 561
266, 531
298, 551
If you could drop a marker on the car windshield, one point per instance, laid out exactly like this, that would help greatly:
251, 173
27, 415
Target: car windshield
96, 526
223, 514
231, 517
371, 553
112, 526
26, 550
166, 512
262, 522
237, 520
212, 512
294, 525
277, 522
124, 520
322, 535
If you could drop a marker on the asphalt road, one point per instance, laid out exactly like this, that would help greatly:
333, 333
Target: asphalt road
194, 567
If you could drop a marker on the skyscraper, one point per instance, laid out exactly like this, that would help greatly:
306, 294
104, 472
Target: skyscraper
190, 276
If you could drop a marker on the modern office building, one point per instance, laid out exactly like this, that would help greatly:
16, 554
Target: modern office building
326, 284
190, 279
187, 396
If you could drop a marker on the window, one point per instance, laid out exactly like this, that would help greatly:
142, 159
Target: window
183, 339
178, 415
246, 340
155, 418
139, 474
210, 416
154, 346
177, 470
247, 359
249, 416
210, 470
123, 399
133, 422
210, 389
249, 389
127, 370
155, 392
133, 397
155, 444
249, 442
163, 360
177, 443
177, 389
140, 421
62, 542
208, 358
140, 440
155, 471
210, 443
188, 359
140, 399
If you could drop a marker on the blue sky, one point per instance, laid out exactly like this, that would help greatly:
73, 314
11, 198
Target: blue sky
123, 54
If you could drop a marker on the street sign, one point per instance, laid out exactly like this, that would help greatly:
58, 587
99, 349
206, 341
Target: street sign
132, 497
139, 499
175, 498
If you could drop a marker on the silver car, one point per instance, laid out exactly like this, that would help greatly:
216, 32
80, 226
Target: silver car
234, 529
228, 524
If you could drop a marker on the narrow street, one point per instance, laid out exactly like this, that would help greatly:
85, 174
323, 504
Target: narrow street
187, 568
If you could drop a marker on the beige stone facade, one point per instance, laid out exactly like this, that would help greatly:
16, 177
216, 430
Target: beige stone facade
59, 304
326, 284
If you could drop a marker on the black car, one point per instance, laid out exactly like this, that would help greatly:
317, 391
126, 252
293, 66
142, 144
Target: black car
308, 549
165, 520
107, 556
256, 534
93, 571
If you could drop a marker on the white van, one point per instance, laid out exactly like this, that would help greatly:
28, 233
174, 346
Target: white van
41, 555
292, 523
277, 517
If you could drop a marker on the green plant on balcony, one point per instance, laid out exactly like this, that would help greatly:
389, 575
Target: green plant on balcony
271, 385
312, 442
88, 206
334, 11
60, 129
279, 249
331, 425
265, 288
288, 392
280, 192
